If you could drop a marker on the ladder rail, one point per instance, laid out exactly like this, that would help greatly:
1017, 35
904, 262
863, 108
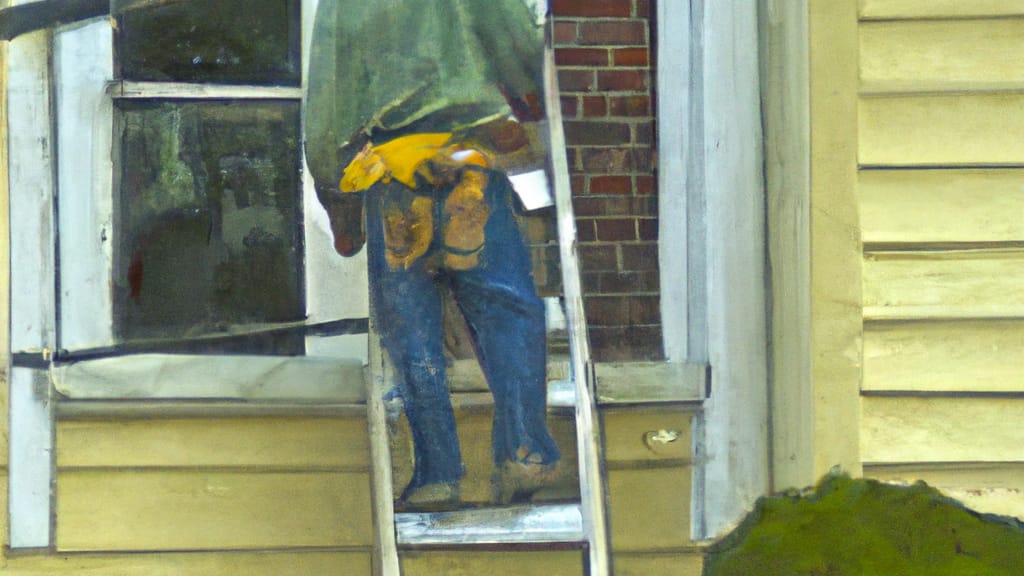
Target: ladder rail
385, 561
588, 436
592, 511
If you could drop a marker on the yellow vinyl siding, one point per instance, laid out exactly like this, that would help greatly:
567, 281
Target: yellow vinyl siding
932, 52
493, 563
941, 190
202, 563
945, 356
904, 9
211, 510
942, 429
208, 484
672, 564
649, 479
649, 509
267, 443
942, 130
941, 206
944, 284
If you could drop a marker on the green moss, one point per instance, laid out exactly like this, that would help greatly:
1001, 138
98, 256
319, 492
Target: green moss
852, 527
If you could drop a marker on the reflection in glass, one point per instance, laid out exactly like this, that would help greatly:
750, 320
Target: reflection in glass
209, 215
226, 41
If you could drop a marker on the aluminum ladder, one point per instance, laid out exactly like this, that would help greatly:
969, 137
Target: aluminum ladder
582, 523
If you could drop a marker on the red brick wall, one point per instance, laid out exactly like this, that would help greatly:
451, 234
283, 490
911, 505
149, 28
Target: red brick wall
604, 53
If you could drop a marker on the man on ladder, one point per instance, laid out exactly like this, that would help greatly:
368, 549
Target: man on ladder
415, 111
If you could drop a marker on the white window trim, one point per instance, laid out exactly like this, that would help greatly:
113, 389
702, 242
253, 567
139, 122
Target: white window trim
60, 127
712, 244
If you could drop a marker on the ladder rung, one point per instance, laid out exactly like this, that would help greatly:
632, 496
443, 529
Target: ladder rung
526, 524
561, 393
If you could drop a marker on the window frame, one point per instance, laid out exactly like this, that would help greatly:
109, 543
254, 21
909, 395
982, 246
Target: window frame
61, 120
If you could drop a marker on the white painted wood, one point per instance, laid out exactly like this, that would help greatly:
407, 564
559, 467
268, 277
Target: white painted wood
181, 90
529, 524
682, 234
336, 287
31, 188
83, 64
588, 432
786, 98
30, 487
30, 145
735, 421
385, 560
174, 376
677, 142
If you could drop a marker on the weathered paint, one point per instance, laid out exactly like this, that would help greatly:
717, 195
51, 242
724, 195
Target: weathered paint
941, 203
945, 356
904, 9
734, 436
942, 429
83, 64
836, 325
986, 487
786, 105
944, 284
33, 322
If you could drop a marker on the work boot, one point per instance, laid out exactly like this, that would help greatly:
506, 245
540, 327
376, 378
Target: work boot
436, 497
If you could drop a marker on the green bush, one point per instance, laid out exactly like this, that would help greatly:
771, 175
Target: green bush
850, 527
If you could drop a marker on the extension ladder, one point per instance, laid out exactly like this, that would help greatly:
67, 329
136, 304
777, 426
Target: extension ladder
584, 523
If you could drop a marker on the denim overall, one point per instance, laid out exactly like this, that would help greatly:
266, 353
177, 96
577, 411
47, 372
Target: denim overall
505, 316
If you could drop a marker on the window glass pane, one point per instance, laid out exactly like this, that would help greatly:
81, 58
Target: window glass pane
209, 218
222, 41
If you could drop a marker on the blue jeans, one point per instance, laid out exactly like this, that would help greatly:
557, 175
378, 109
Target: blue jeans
506, 321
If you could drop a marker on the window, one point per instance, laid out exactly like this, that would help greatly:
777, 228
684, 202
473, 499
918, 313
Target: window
193, 234
160, 205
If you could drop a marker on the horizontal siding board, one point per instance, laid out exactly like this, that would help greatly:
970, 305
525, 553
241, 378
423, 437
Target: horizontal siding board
995, 489
935, 285
634, 436
171, 510
353, 563
959, 51
898, 9
649, 509
941, 206
691, 564
474, 563
963, 356
904, 430
230, 442
942, 130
